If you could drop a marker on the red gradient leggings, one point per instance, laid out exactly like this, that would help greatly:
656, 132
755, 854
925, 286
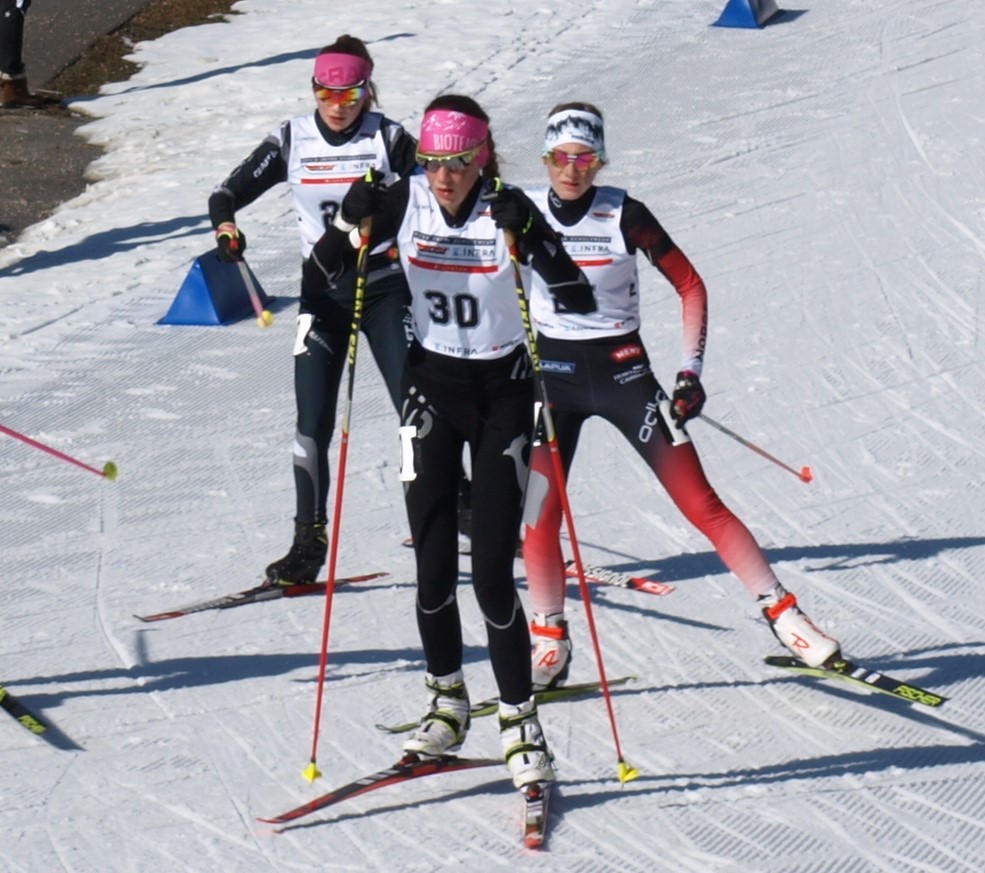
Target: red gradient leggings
612, 378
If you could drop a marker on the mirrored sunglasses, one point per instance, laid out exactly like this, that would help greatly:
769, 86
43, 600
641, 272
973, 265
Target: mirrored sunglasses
583, 161
455, 162
340, 96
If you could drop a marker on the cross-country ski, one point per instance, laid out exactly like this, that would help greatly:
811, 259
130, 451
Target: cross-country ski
617, 579
21, 714
491, 704
841, 669
257, 594
408, 767
536, 799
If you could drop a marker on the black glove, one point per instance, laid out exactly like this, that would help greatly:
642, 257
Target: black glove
365, 197
230, 242
511, 209
576, 296
688, 399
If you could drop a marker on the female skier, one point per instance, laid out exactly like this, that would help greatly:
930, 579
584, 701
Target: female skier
319, 154
467, 381
595, 364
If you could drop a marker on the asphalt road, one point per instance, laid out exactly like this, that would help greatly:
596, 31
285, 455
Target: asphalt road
42, 162
59, 31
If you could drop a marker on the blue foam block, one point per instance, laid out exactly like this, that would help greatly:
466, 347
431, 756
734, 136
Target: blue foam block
213, 293
746, 13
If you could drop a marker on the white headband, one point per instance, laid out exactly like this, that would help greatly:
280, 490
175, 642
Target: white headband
577, 126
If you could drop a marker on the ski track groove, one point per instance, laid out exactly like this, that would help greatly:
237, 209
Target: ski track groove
108, 527
52, 827
941, 813
248, 820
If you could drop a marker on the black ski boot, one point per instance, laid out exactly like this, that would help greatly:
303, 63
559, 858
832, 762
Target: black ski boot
305, 559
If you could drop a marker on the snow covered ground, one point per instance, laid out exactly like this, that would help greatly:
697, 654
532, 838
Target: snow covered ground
825, 175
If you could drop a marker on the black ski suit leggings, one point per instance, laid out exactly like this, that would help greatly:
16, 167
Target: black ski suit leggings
487, 405
318, 372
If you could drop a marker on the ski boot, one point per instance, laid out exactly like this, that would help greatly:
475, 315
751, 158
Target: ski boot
550, 656
524, 746
795, 630
446, 723
305, 559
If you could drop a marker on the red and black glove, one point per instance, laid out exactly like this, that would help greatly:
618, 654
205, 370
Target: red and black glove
230, 242
688, 399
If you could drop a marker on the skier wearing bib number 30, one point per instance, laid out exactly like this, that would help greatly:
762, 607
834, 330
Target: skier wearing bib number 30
468, 381
595, 364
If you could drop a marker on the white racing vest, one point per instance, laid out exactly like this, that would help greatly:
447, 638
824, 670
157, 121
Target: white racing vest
320, 174
596, 245
463, 294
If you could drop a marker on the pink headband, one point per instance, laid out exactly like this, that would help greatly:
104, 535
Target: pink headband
444, 130
334, 70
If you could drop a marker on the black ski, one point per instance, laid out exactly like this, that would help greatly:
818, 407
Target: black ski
535, 802
257, 594
859, 676
21, 713
491, 704
408, 767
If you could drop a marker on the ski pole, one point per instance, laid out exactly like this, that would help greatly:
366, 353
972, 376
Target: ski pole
626, 770
264, 317
805, 474
108, 471
311, 772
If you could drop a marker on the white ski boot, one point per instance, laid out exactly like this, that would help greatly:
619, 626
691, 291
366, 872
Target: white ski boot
550, 654
446, 723
795, 630
524, 746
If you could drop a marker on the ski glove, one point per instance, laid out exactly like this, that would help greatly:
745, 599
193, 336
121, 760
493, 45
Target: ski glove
230, 242
576, 296
511, 210
365, 197
688, 399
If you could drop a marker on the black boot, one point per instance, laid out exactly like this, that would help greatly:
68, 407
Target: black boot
305, 559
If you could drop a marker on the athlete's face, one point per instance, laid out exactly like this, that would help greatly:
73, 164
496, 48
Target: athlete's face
451, 187
339, 115
568, 180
